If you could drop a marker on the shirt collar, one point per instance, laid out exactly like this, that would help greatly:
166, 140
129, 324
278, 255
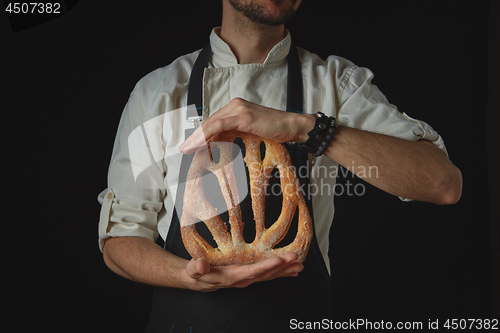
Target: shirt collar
224, 57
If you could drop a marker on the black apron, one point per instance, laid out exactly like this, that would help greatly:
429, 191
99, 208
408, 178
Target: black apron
264, 306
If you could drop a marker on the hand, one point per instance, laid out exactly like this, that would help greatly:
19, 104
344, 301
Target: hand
245, 116
203, 277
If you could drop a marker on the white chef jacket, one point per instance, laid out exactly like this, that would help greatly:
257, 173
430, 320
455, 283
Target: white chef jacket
144, 166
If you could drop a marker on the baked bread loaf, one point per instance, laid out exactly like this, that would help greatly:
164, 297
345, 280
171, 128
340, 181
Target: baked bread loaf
232, 248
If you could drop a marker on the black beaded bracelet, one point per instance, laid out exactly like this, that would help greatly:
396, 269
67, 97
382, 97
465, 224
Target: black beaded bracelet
321, 135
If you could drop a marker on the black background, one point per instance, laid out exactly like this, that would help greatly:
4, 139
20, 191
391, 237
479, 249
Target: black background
64, 86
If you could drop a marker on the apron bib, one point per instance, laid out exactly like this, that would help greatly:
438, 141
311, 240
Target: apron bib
264, 306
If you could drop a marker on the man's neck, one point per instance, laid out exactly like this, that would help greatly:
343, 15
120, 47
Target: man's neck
250, 42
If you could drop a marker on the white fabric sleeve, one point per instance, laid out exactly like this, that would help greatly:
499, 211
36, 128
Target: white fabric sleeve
130, 204
127, 217
364, 106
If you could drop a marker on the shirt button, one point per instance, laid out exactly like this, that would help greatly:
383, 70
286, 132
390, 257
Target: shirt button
109, 196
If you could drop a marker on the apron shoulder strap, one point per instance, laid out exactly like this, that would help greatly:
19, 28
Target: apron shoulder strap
195, 90
295, 89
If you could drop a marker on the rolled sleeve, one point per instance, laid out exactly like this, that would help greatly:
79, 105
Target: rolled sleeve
134, 197
127, 217
364, 106
424, 131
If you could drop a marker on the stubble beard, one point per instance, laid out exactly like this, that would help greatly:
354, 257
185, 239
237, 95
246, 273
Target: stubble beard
258, 15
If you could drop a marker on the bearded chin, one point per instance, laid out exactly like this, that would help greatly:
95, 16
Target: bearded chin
257, 13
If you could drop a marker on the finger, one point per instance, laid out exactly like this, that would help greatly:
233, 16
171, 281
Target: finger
292, 274
193, 142
200, 136
290, 257
273, 263
270, 268
196, 268
206, 131
227, 118
264, 266
284, 270
288, 267
240, 276
232, 275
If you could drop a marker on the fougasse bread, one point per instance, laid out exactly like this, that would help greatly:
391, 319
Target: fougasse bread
231, 246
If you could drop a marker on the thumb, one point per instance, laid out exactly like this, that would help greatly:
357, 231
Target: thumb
196, 268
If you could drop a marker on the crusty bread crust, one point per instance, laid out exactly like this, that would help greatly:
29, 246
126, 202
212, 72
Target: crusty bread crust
232, 248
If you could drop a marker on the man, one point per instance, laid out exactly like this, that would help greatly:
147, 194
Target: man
247, 60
